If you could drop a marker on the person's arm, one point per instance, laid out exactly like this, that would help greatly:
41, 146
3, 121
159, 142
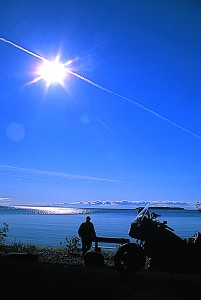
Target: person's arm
80, 230
93, 230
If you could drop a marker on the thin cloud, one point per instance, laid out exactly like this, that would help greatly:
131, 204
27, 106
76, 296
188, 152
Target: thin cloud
25, 173
5, 199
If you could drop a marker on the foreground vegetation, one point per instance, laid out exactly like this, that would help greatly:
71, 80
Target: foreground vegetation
68, 253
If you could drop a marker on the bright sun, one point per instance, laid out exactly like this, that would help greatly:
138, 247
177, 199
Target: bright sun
52, 72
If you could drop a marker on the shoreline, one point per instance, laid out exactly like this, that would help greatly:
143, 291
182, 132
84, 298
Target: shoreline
27, 206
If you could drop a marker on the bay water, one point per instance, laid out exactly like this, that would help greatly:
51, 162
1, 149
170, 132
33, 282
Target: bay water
49, 226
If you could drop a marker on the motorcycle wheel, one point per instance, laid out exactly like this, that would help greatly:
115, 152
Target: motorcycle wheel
129, 259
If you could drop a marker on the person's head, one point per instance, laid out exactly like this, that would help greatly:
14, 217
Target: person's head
88, 218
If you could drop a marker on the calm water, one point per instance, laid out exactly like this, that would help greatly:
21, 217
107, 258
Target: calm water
49, 226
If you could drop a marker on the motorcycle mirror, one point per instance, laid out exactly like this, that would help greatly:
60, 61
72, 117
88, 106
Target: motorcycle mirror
154, 215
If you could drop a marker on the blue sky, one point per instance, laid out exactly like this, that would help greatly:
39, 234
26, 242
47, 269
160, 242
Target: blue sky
78, 142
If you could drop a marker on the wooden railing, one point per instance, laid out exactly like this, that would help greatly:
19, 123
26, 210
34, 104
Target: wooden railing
110, 240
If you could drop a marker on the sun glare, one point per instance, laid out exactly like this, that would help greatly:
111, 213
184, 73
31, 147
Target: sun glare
52, 72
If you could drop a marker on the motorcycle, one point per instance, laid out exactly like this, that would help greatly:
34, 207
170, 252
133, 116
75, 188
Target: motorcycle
157, 248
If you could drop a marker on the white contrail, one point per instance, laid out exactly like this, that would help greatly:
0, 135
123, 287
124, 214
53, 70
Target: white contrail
23, 49
107, 90
52, 174
135, 103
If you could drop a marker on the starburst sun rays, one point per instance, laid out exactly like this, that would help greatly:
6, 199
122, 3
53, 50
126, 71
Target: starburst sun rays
55, 72
52, 72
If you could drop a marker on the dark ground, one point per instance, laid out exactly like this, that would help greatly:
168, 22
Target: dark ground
33, 279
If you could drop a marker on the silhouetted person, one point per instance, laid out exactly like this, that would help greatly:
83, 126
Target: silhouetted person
86, 231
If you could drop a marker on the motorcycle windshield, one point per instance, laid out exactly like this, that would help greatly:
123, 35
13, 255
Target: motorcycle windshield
141, 214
